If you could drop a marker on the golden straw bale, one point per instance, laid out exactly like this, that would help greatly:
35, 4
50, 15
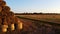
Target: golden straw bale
0, 8
3, 13
16, 23
6, 8
5, 22
20, 25
8, 20
16, 20
1, 0
12, 27
2, 3
0, 20
11, 21
11, 16
4, 28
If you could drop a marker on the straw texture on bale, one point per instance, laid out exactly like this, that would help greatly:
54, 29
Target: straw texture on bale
0, 8
1, 0
2, 3
12, 27
6, 8
4, 28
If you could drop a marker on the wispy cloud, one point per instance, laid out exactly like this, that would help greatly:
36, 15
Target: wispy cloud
51, 10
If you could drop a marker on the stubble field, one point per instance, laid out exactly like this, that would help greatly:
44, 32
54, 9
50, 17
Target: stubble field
49, 18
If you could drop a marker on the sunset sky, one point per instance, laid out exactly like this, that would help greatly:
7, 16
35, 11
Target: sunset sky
30, 6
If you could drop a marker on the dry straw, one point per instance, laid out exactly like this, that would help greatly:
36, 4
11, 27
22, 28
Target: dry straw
2, 3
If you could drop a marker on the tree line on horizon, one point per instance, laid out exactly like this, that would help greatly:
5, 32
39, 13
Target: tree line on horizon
37, 13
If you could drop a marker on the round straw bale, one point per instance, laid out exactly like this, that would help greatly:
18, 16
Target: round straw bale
11, 14
4, 28
8, 20
16, 20
4, 13
11, 20
6, 8
5, 22
0, 14
12, 27
0, 20
0, 8
2, 3
1, 0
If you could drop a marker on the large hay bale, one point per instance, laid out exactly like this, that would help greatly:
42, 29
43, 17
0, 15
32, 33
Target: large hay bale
12, 27
4, 28
20, 25
0, 18
2, 3
1, 0
16, 20
8, 20
4, 20
0, 8
0, 21
3, 13
11, 16
6, 8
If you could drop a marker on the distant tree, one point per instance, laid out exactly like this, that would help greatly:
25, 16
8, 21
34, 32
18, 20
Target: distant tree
34, 13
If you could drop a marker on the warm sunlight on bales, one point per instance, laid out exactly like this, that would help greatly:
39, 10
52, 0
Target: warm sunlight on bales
20, 25
4, 28
8, 20
12, 27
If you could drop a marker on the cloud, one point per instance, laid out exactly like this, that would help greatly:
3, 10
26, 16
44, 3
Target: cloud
52, 10
48, 10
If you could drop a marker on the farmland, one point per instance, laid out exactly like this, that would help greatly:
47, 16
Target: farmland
38, 24
50, 18
41, 24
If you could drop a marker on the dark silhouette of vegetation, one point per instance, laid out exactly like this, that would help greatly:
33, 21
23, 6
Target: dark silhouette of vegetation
37, 14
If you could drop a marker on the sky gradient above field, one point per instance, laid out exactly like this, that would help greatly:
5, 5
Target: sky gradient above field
44, 6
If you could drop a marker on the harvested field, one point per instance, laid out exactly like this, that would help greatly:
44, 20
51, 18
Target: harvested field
38, 17
49, 18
